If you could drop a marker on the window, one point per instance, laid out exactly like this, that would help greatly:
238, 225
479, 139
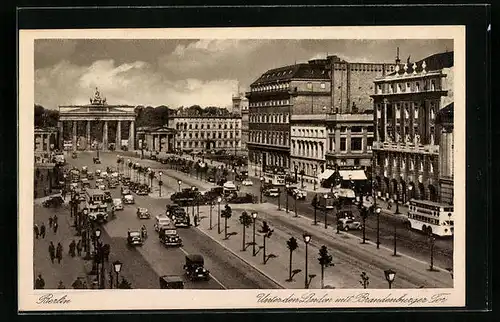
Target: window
323, 85
356, 144
417, 87
202, 126
343, 129
220, 126
408, 87
356, 129
190, 126
369, 144
342, 144
369, 128
208, 126
196, 126
356, 162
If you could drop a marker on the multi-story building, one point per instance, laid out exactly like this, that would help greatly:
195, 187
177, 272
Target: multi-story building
206, 132
240, 106
407, 138
444, 119
320, 102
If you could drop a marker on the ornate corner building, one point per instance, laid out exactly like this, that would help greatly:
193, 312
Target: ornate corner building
407, 137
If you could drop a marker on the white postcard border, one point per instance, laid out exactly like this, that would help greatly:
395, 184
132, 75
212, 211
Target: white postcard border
70, 300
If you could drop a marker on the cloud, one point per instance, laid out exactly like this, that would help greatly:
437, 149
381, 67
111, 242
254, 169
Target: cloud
136, 83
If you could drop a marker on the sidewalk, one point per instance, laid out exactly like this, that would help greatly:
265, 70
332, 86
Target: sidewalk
349, 256
70, 267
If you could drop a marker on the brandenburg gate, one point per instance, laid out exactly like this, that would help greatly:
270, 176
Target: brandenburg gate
97, 114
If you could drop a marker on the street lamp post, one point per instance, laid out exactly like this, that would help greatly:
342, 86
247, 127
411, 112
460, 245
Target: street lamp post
254, 217
325, 196
377, 211
261, 179
307, 239
286, 191
160, 183
211, 206
99, 259
279, 199
117, 265
431, 242
218, 215
389, 276
295, 207
395, 253
397, 204
179, 183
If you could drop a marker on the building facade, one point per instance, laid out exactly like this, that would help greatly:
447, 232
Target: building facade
45, 140
307, 100
240, 106
116, 122
444, 119
199, 133
156, 139
407, 139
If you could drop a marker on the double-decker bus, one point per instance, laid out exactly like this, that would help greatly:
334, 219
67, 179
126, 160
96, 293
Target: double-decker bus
431, 217
96, 204
274, 175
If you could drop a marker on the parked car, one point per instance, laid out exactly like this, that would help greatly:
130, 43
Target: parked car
134, 237
143, 213
271, 192
118, 204
171, 282
247, 182
194, 268
298, 194
349, 224
242, 198
55, 201
128, 199
125, 191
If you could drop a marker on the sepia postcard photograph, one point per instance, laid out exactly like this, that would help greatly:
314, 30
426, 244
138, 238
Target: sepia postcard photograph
241, 168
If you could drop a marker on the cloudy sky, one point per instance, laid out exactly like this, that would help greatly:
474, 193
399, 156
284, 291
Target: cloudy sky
187, 72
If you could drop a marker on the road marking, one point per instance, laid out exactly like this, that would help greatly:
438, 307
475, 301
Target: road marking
213, 277
242, 259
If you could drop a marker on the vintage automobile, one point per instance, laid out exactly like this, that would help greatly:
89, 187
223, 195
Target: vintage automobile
97, 160
271, 192
125, 191
181, 219
142, 191
134, 237
221, 181
211, 178
118, 204
247, 182
194, 268
85, 183
346, 224
345, 214
98, 213
169, 237
74, 155
152, 157
73, 186
240, 197
297, 193
101, 187
171, 282
112, 183
162, 221
55, 201
128, 199
143, 213
90, 175
184, 197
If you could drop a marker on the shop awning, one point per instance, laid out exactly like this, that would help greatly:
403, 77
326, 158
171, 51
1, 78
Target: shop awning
353, 174
327, 174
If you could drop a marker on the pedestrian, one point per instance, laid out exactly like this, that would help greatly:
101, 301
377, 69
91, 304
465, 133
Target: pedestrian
79, 247
37, 232
55, 227
77, 284
61, 285
52, 252
42, 230
50, 222
40, 282
72, 247
55, 219
389, 204
59, 252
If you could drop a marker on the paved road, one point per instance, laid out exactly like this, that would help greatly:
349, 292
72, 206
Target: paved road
227, 270
409, 242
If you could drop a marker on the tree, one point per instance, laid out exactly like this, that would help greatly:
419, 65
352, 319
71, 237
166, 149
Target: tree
325, 259
292, 246
266, 232
226, 213
151, 177
245, 220
124, 284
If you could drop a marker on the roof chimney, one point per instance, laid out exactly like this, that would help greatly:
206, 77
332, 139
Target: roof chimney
397, 57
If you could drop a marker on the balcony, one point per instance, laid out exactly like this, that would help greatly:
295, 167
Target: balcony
337, 117
408, 147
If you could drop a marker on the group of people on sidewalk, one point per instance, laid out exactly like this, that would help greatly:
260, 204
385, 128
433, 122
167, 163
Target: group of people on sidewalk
41, 230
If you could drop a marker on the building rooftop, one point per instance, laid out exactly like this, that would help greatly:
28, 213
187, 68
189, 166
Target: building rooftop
312, 70
432, 63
